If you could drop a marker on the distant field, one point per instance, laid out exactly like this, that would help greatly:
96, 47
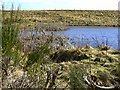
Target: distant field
69, 17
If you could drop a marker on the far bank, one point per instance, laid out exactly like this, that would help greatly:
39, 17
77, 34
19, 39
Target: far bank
68, 17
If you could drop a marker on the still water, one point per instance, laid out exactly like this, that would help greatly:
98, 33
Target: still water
92, 35
82, 35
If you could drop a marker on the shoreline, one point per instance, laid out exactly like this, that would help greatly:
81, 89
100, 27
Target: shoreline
96, 25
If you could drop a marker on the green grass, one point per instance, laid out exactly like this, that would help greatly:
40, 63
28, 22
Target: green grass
10, 41
75, 75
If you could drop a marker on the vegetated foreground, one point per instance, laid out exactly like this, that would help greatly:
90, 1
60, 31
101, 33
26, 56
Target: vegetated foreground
49, 61
68, 17
50, 64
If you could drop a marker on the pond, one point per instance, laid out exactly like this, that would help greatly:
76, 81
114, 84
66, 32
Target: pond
82, 35
92, 35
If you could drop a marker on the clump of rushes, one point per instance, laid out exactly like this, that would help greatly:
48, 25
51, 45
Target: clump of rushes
11, 47
12, 53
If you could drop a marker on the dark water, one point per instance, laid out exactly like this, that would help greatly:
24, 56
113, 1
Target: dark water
90, 35
82, 35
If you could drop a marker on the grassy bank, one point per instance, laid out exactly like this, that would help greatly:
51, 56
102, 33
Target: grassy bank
68, 17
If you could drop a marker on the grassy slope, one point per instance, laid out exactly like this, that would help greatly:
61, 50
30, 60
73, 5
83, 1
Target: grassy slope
71, 17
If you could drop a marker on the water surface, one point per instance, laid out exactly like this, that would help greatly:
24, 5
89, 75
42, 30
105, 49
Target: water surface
82, 35
90, 35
